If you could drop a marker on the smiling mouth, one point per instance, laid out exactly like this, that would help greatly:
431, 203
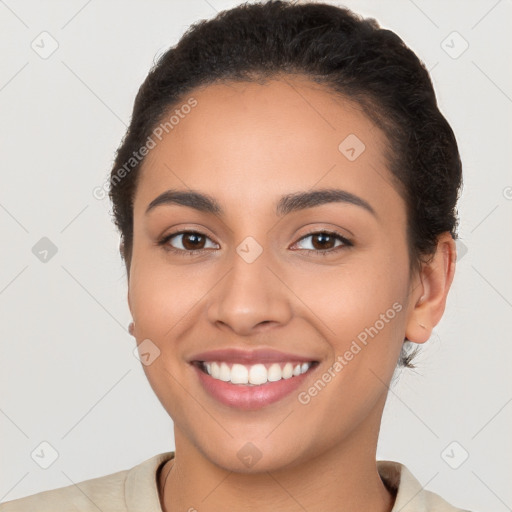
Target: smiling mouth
255, 374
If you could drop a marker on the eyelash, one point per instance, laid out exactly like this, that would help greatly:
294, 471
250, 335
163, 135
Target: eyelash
317, 252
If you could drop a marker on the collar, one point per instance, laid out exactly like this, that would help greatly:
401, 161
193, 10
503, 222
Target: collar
410, 494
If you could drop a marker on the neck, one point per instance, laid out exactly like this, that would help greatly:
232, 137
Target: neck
344, 477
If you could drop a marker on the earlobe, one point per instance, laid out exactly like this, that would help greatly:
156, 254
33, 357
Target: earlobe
436, 277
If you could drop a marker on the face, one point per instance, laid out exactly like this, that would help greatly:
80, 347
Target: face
277, 272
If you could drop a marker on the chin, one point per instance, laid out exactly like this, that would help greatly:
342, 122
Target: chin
252, 457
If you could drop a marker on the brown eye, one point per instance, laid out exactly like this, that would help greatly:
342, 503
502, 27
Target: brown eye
187, 241
193, 241
323, 242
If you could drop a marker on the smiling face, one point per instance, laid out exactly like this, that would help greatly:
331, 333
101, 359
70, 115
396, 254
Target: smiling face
310, 276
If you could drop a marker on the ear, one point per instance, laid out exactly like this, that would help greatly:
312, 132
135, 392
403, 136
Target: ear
126, 262
429, 294
121, 250
131, 326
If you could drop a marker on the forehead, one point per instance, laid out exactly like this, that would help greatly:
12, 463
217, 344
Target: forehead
246, 142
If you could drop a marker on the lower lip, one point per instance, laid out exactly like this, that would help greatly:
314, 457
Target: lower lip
250, 398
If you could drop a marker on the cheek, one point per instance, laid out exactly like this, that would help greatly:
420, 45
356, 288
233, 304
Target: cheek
360, 311
161, 303
359, 303
353, 294
362, 319
160, 297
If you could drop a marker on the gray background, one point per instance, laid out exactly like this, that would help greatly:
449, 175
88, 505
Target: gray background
68, 374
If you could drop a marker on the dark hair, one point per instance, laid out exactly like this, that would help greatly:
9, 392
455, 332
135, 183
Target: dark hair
352, 56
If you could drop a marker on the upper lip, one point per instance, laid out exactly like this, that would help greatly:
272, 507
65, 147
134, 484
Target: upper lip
236, 355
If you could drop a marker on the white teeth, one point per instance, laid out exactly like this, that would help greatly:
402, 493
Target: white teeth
287, 370
215, 369
225, 372
239, 374
256, 374
274, 373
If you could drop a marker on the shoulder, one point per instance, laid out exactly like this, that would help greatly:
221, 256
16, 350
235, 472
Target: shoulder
84, 496
410, 494
113, 492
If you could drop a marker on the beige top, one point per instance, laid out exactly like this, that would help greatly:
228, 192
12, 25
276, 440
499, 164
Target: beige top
135, 490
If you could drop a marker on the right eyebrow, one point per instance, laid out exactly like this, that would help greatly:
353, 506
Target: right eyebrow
192, 199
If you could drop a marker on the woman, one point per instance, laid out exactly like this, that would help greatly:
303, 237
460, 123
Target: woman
286, 197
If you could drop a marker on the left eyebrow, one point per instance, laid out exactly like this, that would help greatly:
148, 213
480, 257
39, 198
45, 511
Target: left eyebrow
302, 200
287, 204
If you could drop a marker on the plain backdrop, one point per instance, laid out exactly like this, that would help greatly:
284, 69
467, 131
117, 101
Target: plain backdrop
69, 378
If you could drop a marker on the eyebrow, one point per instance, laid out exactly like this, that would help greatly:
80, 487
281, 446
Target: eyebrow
287, 204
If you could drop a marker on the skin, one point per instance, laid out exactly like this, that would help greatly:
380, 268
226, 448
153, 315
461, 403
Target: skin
246, 145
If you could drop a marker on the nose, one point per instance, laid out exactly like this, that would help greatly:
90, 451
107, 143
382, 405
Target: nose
250, 298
